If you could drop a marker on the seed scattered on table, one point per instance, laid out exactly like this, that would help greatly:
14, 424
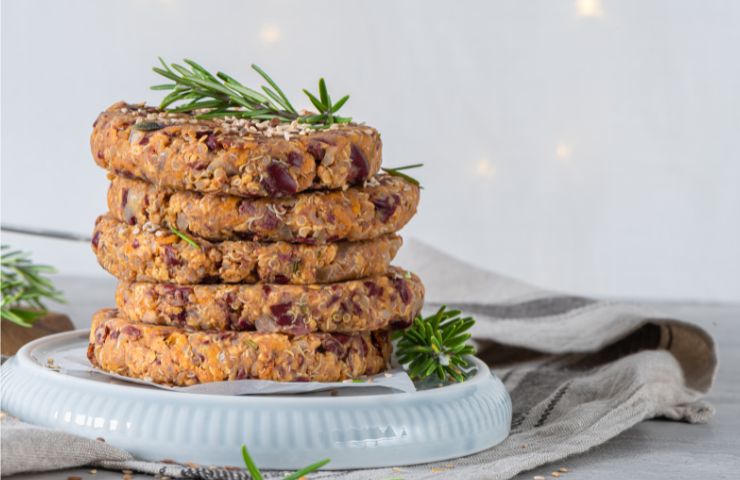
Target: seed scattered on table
564, 470
555, 474
93, 471
538, 477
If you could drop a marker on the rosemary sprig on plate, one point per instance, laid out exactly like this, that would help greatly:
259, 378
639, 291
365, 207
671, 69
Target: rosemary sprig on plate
24, 287
398, 172
221, 95
436, 345
255, 473
184, 237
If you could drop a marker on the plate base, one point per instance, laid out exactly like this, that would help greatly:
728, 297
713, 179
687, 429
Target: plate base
373, 429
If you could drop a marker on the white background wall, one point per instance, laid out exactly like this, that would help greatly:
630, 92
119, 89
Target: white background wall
583, 145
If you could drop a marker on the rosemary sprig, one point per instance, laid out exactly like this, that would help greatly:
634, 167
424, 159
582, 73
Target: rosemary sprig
221, 95
184, 237
397, 172
255, 473
436, 345
24, 287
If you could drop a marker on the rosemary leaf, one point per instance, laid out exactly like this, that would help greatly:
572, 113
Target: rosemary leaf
316, 102
184, 237
436, 346
225, 96
23, 288
340, 103
249, 463
272, 83
306, 470
398, 172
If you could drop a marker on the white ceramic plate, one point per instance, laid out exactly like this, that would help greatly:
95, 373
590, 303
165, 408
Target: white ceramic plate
361, 428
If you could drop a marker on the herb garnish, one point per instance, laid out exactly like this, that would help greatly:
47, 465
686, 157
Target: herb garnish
24, 286
255, 473
220, 95
396, 172
184, 237
437, 345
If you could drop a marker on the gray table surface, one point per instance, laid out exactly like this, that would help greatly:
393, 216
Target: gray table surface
651, 450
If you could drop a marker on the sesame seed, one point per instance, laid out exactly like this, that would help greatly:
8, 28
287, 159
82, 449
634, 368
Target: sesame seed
564, 470
538, 477
555, 474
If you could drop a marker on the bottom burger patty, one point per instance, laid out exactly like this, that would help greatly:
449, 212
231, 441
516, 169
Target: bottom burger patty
178, 356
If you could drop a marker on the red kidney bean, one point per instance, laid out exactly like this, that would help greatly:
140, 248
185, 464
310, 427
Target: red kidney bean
270, 221
200, 165
131, 331
180, 318
211, 142
244, 325
295, 159
170, 257
400, 324
403, 290
373, 289
177, 296
278, 181
332, 300
280, 279
317, 151
124, 197
332, 345
359, 168
385, 207
280, 312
